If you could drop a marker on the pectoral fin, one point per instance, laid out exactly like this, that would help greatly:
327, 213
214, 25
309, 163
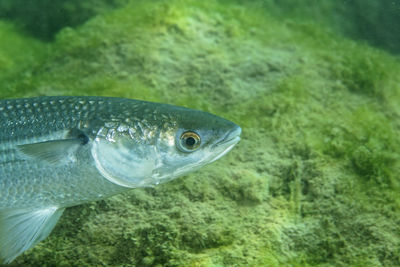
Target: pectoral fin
56, 151
21, 229
51, 151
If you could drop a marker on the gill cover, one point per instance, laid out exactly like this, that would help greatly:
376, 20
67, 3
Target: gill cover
124, 161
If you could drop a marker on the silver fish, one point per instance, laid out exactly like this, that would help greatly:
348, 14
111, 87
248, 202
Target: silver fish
57, 152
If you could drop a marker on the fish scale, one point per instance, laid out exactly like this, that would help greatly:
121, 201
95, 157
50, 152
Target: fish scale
57, 152
64, 180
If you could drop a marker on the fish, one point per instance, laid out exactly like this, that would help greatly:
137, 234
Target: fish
62, 151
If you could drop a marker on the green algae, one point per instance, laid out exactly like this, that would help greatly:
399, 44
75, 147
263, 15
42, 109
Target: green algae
314, 181
16, 51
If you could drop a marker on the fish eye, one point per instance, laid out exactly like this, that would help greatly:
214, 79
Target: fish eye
189, 141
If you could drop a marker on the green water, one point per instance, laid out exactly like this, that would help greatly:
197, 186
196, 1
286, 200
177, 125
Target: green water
315, 87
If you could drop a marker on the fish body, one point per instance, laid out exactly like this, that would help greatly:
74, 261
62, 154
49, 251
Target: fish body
57, 152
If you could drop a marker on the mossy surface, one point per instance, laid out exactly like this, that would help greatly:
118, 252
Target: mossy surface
314, 180
17, 52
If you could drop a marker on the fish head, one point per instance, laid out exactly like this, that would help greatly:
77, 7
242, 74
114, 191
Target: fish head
195, 139
172, 142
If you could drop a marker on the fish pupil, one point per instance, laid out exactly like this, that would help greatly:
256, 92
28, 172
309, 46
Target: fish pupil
190, 141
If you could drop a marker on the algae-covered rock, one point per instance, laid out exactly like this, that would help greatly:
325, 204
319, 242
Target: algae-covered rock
315, 179
17, 52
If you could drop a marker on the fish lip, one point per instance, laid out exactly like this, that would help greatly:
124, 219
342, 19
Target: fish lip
227, 145
231, 142
231, 138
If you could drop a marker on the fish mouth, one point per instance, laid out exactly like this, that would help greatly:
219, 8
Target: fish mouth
228, 142
231, 138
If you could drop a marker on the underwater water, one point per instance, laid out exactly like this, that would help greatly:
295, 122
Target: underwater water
315, 86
